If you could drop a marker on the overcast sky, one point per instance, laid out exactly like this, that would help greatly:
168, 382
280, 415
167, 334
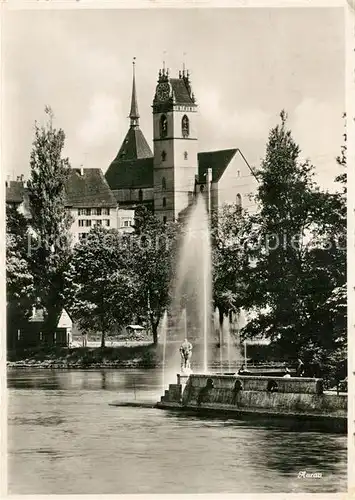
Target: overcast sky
245, 65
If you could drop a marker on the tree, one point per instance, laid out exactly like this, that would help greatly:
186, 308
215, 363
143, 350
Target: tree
101, 288
296, 264
230, 231
152, 252
19, 280
50, 246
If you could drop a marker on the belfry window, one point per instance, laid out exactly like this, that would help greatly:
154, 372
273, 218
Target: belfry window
164, 202
185, 155
163, 155
163, 126
185, 126
163, 184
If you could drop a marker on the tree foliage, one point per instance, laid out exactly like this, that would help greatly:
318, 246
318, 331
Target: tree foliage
101, 287
298, 259
50, 246
152, 257
230, 232
19, 280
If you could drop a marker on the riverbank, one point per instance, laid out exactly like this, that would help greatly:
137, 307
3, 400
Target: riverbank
130, 356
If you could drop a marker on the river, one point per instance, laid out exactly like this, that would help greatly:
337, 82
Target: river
65, 438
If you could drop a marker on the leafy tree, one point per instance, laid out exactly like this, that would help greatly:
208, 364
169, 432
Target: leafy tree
101, 286
19, 280
50, 246
230, 232
152, 251
296, 259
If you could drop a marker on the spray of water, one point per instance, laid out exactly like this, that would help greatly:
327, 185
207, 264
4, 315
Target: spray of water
193, 287
163, 336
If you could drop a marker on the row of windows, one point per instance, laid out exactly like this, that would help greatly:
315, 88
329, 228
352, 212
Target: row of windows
127, 223
163, 155
185, 126
93, 211
89, 222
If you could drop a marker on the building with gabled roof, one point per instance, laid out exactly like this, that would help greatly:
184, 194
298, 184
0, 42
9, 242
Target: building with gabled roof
168, 178
92, 203
88, 198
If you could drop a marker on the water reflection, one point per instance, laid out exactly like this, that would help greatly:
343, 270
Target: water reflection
64, 438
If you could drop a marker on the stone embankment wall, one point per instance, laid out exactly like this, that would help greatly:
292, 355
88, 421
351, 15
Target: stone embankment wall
282, 395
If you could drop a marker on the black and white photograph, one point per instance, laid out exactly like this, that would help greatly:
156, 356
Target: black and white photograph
175, 198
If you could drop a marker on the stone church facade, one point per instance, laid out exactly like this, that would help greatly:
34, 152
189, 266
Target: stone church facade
167, 179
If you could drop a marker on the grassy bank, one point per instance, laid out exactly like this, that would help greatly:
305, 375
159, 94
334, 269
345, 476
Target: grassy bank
135, 356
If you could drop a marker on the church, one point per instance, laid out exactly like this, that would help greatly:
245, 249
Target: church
168, 178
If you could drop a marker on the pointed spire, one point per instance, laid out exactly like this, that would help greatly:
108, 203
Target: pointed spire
134, 115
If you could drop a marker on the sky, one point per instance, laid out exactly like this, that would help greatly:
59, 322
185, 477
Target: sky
246, 65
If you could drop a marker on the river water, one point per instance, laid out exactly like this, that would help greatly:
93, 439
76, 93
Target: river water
65, 438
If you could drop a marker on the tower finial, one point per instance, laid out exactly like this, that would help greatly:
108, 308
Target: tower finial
134, 115
164, 69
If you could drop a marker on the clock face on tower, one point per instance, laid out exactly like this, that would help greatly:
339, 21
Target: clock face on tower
163, 91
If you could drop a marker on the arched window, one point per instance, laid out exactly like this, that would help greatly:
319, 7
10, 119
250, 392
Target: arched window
164, 202
239, 202
238, 173
163, 184
163, 126
163, 155
185, 126
185, 155
140, 195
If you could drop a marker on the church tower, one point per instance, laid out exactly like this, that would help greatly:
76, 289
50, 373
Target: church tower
175, 144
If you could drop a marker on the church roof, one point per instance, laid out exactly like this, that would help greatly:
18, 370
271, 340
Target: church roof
130, 173
181, 91
139, 173
217, 160
88, 188
134, 146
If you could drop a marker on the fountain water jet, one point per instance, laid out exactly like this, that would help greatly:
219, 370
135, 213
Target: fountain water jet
218, 330
163, 335
193, 286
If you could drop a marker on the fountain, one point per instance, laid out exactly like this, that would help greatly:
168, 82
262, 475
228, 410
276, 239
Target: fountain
193, 286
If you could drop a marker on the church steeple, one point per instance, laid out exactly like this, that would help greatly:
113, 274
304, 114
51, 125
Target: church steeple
134, 146
134, 115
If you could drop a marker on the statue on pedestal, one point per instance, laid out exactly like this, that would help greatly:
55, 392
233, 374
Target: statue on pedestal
185, 353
